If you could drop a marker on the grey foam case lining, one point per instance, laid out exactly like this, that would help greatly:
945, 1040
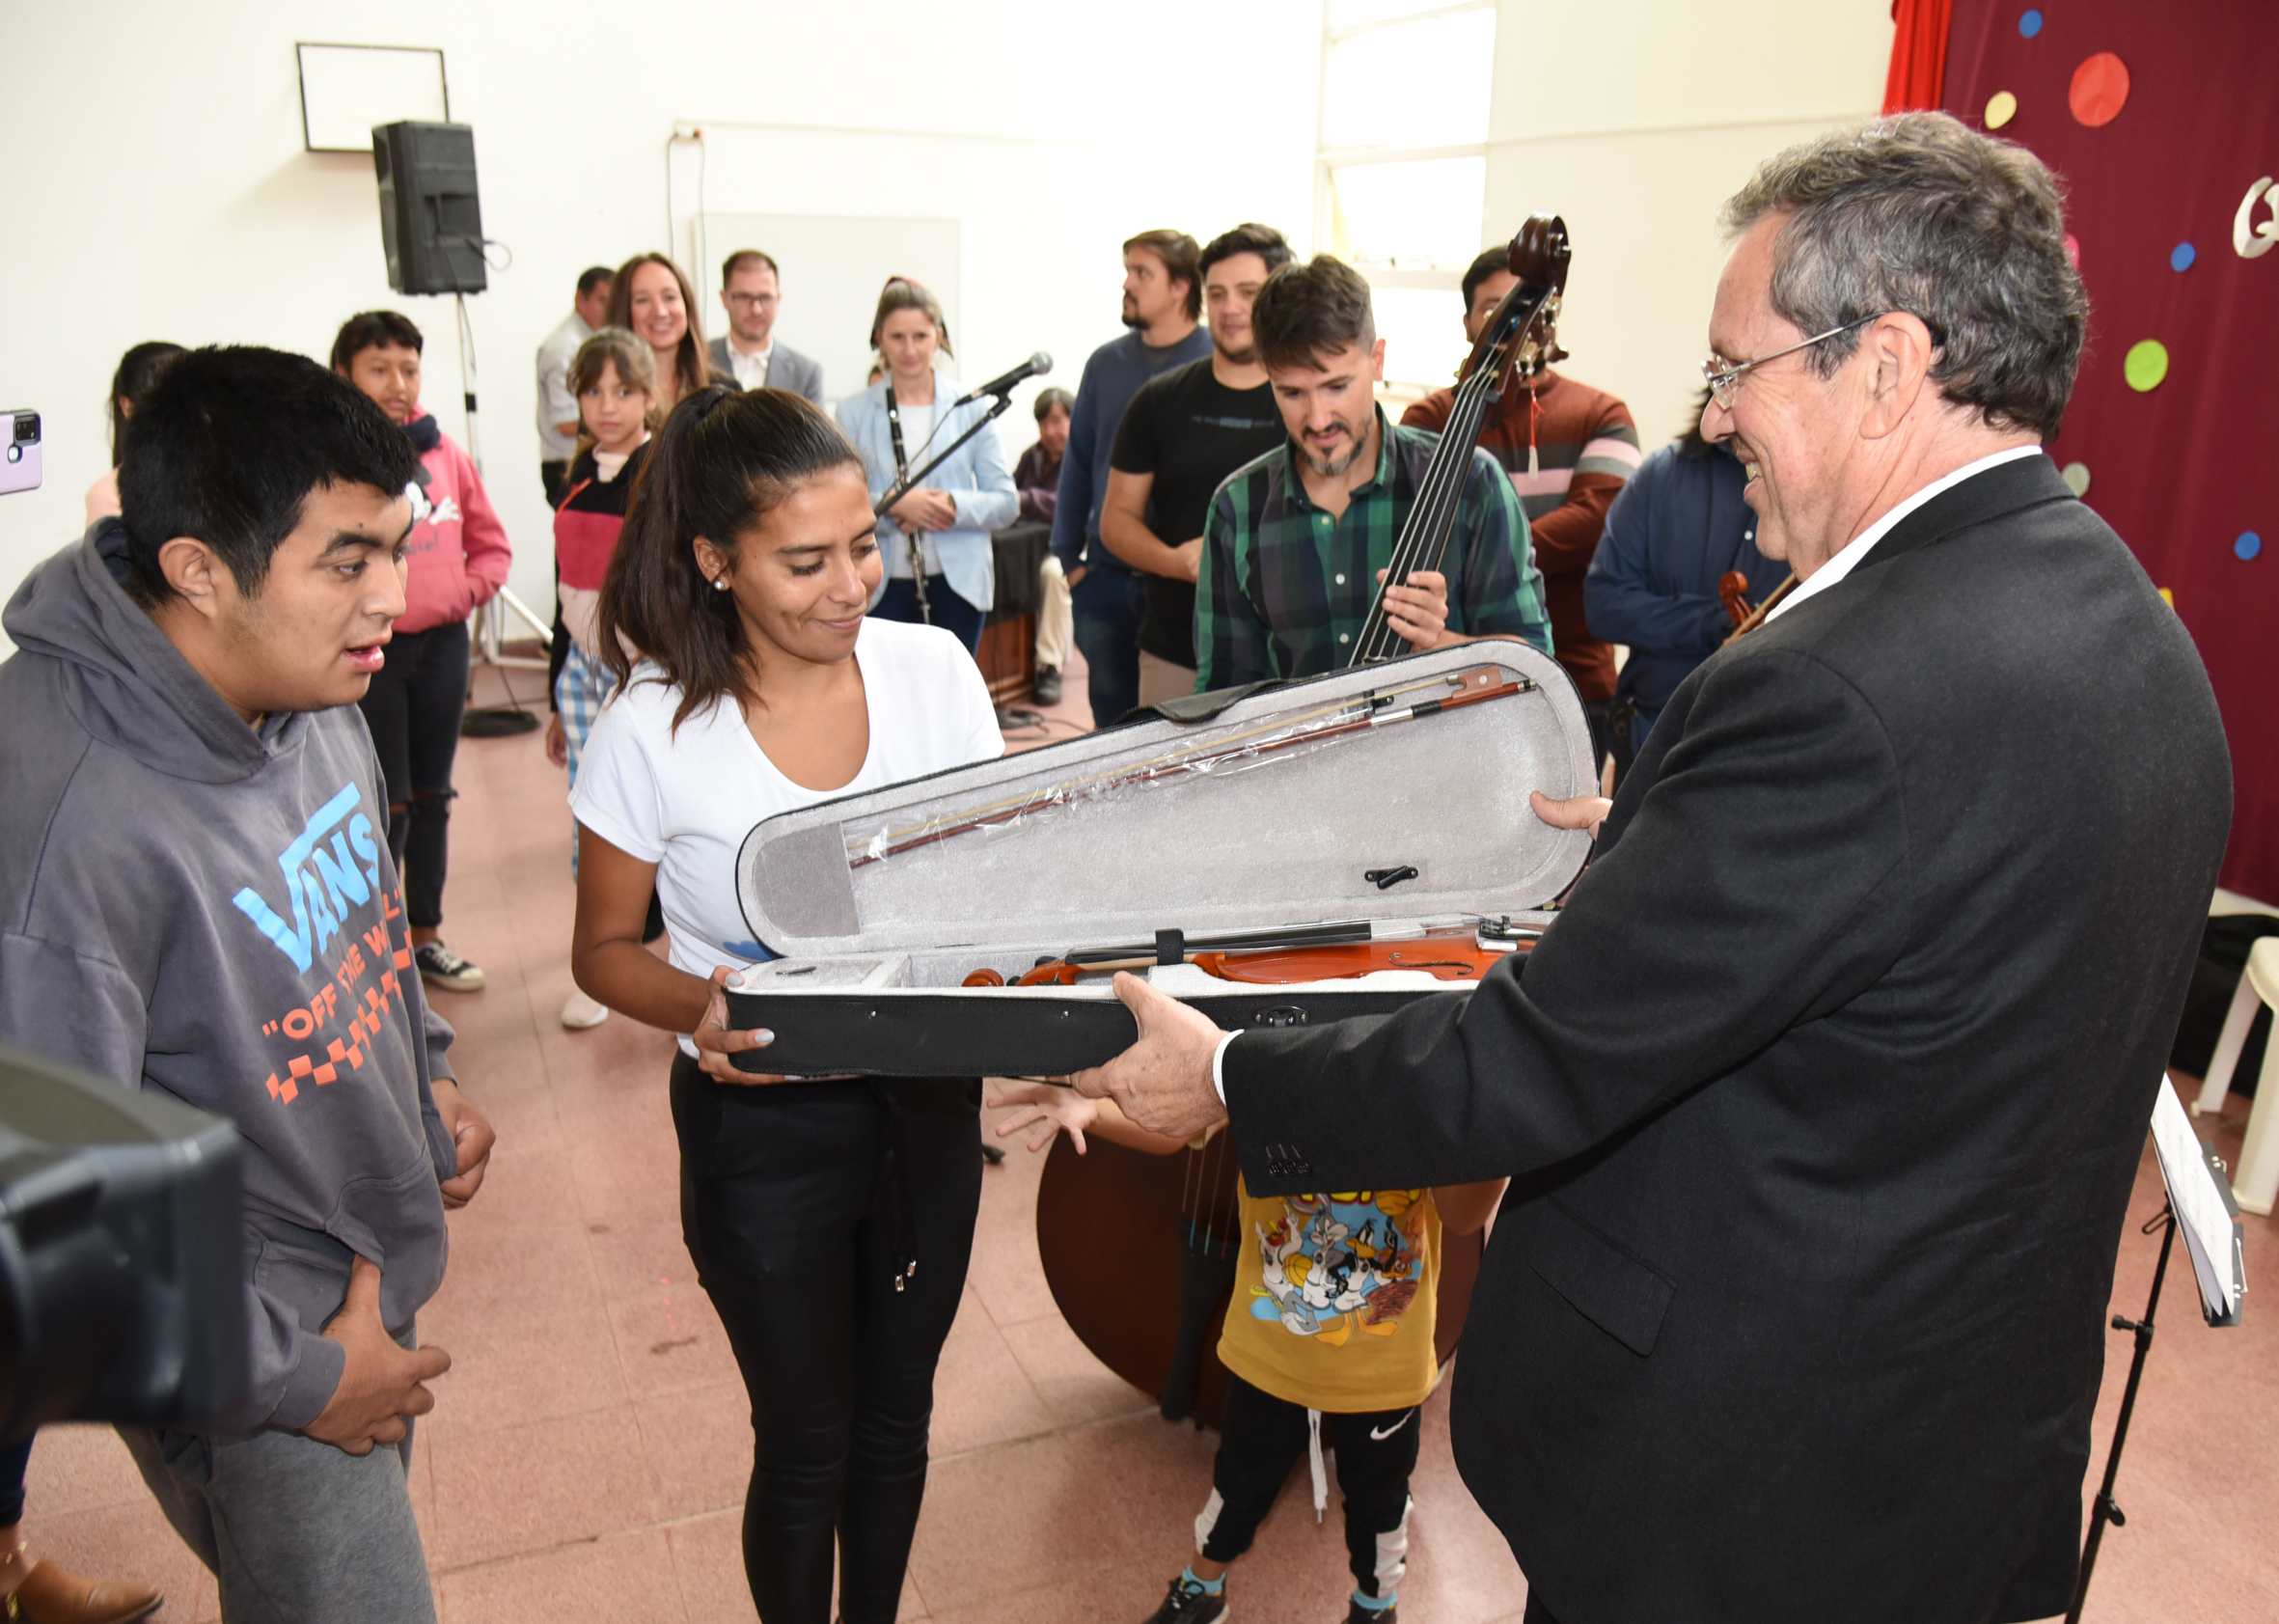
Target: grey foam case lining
1094, 842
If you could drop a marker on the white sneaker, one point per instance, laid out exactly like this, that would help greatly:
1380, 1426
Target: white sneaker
578, 1012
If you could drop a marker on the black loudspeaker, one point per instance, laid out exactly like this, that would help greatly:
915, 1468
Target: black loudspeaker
122, 1255
431, 217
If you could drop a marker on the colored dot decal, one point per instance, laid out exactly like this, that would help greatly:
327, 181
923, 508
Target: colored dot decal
2166, 597
2100, 90
2002, 108
2073, 250
2076, 478
2145, 365
2248, 545
2181, 256
2030, 24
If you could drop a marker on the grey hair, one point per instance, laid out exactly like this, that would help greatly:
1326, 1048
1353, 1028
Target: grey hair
1920, 213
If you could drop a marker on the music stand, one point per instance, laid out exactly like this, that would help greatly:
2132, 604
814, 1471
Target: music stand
2200, 1205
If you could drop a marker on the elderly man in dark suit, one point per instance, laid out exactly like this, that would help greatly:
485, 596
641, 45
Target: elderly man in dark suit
1825, 1093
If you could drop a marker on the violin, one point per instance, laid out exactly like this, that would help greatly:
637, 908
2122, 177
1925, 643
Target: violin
1518, 338
1733, 589
1449, 953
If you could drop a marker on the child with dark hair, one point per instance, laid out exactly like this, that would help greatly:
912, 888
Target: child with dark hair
742, 576
138, 368
458, 561
199, 904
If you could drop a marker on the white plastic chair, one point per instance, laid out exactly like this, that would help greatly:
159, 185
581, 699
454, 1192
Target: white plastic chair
2255, 1182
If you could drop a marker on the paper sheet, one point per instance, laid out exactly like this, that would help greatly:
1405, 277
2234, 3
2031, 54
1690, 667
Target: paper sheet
2202, 1201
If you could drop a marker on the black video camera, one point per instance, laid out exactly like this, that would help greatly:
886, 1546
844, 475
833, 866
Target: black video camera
122, 1262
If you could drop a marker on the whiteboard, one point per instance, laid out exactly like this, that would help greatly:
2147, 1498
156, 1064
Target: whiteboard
833, 268
347, 89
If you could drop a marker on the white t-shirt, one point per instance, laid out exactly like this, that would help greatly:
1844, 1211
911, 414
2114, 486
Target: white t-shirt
686, 802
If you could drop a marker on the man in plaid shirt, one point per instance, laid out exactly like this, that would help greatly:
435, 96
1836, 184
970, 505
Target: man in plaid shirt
1299, 538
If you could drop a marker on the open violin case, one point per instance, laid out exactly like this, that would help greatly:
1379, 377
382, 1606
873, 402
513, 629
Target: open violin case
1384, 802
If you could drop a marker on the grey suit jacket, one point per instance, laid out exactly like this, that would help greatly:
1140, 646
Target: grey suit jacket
1824, 1097
787, 369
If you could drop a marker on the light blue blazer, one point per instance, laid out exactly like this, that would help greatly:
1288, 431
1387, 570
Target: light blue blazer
976, 478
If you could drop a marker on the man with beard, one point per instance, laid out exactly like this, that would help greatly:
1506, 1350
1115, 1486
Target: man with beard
1298, 539
1183, 433
1162, 297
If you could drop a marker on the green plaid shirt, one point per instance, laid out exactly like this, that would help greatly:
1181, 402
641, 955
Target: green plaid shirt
1284, 590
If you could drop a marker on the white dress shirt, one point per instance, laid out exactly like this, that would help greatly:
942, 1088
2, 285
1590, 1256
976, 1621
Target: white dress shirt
1848, 557
751, 370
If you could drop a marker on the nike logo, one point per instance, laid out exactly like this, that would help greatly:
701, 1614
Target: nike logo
1380, 1436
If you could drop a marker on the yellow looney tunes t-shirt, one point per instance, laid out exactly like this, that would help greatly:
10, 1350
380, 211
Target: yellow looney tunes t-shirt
1333, 1298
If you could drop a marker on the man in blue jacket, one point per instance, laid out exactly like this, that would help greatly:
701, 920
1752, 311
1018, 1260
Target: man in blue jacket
1672, 534
1163, 303
196, 898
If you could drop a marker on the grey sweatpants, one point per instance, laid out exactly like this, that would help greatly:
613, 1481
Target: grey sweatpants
296, 1531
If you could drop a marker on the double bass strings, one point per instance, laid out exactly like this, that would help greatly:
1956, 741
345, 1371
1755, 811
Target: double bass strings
1441, 493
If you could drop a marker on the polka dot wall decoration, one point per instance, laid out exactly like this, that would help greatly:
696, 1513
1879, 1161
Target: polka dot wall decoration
2145, 365
2076, 478
2002, 108
2029, 23
2248, 545
2100, 89
2181, 256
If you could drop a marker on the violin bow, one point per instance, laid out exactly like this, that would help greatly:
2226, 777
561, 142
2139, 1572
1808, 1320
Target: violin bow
1375, 708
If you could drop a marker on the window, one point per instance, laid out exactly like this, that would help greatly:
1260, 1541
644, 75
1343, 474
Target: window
1401, 166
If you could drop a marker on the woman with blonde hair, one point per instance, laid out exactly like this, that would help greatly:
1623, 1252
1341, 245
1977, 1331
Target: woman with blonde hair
651, 296
940, 567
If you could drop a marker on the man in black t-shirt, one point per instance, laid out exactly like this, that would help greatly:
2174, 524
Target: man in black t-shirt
1185, 431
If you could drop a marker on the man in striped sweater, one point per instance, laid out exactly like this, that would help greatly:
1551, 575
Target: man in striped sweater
1568, 448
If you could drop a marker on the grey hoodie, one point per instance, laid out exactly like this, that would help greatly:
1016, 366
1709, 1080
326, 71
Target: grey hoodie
189, 906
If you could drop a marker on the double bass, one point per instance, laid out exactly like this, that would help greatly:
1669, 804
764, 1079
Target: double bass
1140, 1250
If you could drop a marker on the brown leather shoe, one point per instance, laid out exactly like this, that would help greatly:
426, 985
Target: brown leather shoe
48, 1595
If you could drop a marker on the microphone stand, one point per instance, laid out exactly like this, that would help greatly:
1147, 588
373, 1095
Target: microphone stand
908, 483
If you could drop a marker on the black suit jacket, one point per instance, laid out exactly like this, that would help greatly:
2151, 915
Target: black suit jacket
1824, 1097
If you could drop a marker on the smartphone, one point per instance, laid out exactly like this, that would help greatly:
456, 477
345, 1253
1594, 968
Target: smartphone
20, 464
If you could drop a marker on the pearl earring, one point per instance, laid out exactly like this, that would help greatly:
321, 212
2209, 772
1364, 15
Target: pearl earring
720, 585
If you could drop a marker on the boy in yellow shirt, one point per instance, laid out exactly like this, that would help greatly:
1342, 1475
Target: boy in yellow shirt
1331, 1321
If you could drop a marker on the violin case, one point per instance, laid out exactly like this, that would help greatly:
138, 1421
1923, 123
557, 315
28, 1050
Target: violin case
1366, 796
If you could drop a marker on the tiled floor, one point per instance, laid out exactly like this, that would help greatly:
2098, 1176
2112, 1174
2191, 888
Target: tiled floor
586, 1456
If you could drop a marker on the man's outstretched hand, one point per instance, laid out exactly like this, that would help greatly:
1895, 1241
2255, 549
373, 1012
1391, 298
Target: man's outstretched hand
1583, 812
1164, 1081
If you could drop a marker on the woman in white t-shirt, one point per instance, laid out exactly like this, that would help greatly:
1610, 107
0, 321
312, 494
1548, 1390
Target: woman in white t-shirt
743, 572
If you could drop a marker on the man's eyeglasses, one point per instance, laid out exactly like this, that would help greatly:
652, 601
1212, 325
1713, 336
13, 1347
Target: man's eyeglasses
1724, 376
751, 298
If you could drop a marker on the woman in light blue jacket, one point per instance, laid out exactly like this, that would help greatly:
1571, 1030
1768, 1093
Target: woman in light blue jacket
938, 565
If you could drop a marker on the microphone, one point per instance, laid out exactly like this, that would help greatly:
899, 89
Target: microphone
1038, 363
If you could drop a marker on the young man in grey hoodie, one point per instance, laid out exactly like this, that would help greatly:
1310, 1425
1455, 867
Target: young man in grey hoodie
196, 897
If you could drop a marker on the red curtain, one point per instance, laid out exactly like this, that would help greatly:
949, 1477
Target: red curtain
2183, 470
1918, 55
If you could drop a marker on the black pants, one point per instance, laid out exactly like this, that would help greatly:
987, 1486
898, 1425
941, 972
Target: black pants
831, 1224
1261, 1437
413, 709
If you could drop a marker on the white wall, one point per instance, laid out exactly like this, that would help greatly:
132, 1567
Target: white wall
1635, 122
159, 189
